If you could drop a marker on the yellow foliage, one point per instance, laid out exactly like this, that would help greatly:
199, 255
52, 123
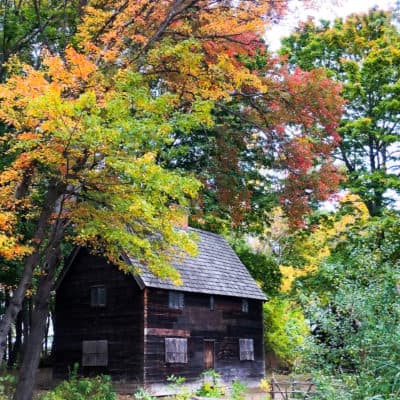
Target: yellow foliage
317, 246
290, 274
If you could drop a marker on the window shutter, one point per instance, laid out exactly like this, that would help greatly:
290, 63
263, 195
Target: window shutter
176, 350
246, 348
94, 353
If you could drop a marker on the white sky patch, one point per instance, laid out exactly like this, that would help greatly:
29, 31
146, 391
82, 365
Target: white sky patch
323, 10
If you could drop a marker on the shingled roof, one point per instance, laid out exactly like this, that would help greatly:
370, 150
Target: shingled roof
215, 270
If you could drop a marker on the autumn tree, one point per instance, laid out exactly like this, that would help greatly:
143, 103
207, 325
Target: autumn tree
26, 25
85, 130
263, 150
361, 52
75, 174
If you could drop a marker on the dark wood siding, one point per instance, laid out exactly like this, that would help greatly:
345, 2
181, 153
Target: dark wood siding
225, 325
120, 321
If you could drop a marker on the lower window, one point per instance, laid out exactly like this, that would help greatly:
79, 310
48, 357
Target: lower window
246, 349
95, 353
176, 350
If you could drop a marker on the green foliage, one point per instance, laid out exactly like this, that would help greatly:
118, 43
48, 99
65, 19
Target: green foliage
210, 387
27, 25
177, 384
143, 394
285, 329
363, 53
98, 388
355, 349
235, 194
209, 390
238, 390
262, 267
7, 386
211, 374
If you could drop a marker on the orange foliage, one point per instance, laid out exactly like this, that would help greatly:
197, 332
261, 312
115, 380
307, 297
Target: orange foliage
190, 49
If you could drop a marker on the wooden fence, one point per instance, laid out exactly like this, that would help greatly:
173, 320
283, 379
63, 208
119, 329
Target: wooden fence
291, 389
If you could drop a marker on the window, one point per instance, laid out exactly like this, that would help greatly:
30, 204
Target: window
98, 296
212, 303
245, 305
246, 349
176, 350
94, 353
176, 300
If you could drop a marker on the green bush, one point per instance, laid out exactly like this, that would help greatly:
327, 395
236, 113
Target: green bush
7, 386
285, 329
355, 350
143, 394
177, 383
238, 390
210, 389
98, 388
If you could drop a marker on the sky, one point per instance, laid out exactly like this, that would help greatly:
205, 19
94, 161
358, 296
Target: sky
325, 10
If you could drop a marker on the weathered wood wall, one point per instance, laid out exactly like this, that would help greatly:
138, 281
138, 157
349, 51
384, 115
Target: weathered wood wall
136, 322
120, 321
226, 324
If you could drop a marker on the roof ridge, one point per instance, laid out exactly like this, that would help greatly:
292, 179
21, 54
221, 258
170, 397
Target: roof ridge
206, 232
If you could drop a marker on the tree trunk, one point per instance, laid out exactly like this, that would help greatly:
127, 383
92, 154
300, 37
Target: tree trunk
27, 373
8, 344
31, 262
53, 323
26, 318
16, 349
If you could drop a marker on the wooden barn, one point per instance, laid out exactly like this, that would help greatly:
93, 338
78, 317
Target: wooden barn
143, 329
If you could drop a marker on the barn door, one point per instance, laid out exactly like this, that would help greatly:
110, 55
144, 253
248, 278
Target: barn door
208, 354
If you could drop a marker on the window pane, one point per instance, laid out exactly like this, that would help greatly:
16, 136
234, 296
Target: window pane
98, 296
176, 300
175, 350
245, 305
212, 303
94, 353
246, 348
101, 296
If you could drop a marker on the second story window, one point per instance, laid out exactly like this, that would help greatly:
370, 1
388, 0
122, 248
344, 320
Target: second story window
245, 305
176, 300
98, 296
212, 303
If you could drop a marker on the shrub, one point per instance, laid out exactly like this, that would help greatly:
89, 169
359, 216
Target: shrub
98, 388
143, 394
7, 386
285, 329
238, 390
210, 389
177, 384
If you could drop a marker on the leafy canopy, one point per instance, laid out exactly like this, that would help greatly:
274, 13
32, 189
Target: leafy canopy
363, 53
